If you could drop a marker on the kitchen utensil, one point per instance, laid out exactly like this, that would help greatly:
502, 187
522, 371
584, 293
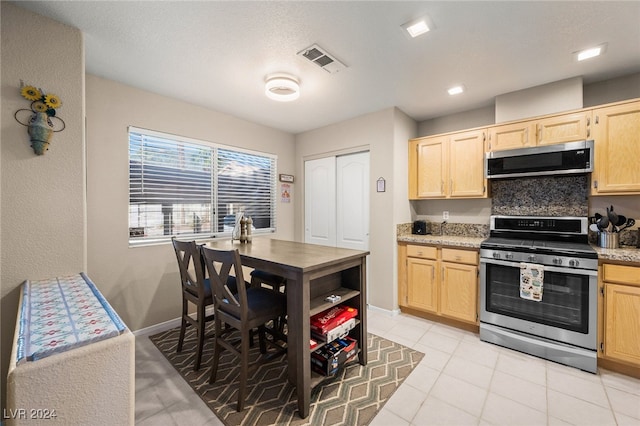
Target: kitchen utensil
622, 219
603, 222
594, 227
613, 216
630, 222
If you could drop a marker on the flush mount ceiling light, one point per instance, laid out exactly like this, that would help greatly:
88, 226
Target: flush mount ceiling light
590, 53
418, 26
456, 90
282, 87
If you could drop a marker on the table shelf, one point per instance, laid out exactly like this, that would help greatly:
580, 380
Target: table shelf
319, 304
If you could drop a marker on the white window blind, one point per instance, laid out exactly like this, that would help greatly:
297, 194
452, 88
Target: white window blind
184, 187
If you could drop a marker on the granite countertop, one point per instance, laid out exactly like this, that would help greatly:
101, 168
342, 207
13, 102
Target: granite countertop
445, 240
624, 254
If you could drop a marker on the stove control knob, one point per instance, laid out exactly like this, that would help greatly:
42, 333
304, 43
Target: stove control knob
557, 261
532, 258
509, 256
496, 255
574, 263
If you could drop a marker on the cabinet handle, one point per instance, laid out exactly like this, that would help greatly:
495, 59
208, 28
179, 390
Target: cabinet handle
484, 137
588, 121
419, 253
588, 132
539, 132
597, 119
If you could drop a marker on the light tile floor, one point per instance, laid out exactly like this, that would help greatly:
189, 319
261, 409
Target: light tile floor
460, 381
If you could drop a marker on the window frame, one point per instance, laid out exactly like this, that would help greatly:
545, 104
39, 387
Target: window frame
214, 211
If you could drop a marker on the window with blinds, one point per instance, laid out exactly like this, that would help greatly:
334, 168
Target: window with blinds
188, 188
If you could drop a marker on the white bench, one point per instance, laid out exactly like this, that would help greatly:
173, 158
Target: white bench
73, 359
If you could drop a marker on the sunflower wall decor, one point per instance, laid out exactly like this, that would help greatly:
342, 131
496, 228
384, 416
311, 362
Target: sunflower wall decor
39, 119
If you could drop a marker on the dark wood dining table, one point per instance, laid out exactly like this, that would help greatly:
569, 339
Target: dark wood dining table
312, 272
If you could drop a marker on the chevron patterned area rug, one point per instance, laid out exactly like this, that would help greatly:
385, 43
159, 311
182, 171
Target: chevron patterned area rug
352, 397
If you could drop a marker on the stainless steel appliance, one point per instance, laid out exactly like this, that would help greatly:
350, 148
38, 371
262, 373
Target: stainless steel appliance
558, 159
562, 326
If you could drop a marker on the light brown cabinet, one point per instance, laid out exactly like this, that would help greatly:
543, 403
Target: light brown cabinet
448, 166
619, 339
439, 281
617, 150
546, 130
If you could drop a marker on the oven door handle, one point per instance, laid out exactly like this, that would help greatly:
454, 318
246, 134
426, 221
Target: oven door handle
546, 267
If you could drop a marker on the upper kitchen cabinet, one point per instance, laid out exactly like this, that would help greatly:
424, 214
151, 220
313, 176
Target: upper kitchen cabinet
563, 128
448, 166
511, 136
616, 131
546, 130
427, 167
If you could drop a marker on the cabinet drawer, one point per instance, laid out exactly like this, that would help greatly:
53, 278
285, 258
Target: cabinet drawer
424, 252
460, 256
621, 274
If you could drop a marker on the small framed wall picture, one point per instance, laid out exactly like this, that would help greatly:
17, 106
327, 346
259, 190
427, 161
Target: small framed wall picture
286, 178
381, 185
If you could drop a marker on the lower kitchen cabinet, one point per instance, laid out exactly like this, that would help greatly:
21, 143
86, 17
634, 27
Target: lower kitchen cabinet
620, 341
439, 281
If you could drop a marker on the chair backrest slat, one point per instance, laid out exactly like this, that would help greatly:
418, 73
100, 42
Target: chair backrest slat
191, 265
219, 264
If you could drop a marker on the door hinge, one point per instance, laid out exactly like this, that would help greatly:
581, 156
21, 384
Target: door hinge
597, 119
484, 189
602, 291
601, 346
595, 184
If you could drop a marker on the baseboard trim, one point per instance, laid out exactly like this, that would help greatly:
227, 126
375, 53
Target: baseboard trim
157, 328
391, 313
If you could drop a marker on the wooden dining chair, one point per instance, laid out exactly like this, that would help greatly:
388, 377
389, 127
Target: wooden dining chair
196, 288
243, 310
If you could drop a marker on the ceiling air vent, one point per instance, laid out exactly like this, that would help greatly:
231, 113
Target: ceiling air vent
321, 58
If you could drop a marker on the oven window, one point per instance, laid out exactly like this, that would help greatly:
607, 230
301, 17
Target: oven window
565, 298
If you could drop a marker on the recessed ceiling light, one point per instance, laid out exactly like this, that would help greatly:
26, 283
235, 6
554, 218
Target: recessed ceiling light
590, 53
456, 90
418, 26
282, 87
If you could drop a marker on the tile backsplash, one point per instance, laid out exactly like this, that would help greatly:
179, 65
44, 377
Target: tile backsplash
541, 196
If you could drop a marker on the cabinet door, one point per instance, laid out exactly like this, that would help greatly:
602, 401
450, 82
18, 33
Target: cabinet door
564, 128
422, 292
466, 165
431, 168
617, 150
622, 323
511, 136
459, 292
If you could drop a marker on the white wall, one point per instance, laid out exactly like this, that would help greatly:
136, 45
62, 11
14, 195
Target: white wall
375, 132
142, 283
43, 197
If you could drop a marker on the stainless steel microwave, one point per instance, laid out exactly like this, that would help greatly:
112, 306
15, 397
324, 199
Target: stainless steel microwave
546, 160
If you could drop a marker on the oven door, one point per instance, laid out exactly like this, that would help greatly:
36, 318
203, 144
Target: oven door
567, 312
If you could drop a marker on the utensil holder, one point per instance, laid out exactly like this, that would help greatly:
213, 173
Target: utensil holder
609, 240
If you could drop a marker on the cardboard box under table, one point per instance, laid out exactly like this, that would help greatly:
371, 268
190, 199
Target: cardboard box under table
330, 357
73, 359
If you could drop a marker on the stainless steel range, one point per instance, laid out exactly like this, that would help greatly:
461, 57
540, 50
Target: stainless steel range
561, 325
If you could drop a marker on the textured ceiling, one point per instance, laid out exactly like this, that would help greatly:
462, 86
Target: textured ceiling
217, 54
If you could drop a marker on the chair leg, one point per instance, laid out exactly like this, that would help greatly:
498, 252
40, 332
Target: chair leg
244, 367
183, 326
261, 339
216, 351
201, 326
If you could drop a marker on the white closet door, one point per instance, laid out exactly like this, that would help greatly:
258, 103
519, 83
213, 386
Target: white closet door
320, 201
352, 209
